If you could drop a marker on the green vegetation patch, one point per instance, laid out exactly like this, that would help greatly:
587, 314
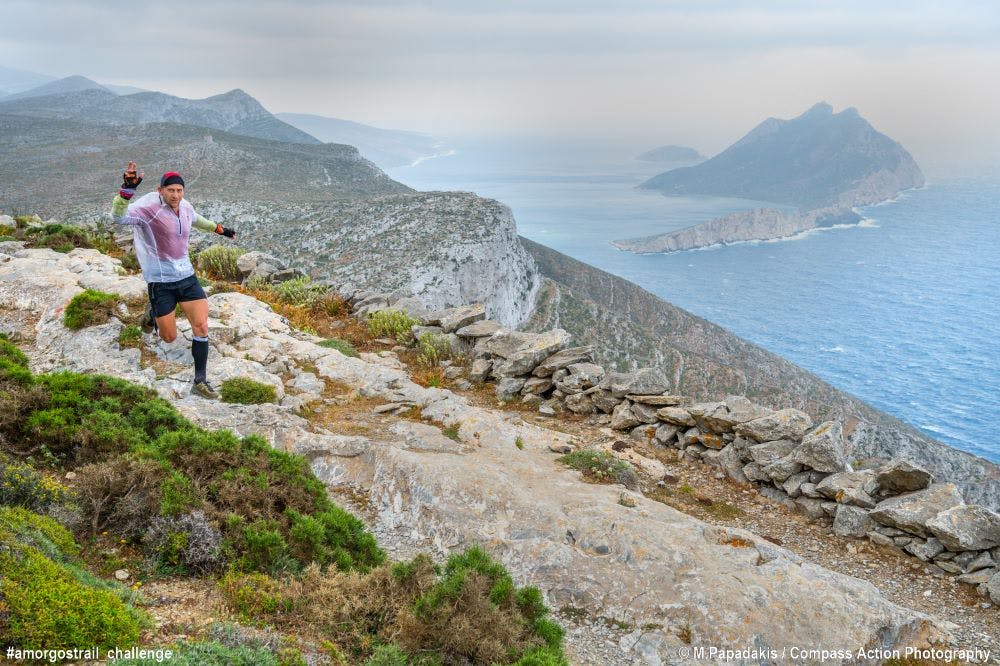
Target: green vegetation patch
89, 308
219, 262
432, 349
601, 466
343, 346
49, 601
391, 323
130, 337
246, 391
63, 237
209, 653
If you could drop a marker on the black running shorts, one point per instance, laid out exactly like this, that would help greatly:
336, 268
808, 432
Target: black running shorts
164, 296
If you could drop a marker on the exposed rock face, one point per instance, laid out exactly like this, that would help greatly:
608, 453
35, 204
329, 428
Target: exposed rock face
911, 512
577, 542
966, 528
823, 449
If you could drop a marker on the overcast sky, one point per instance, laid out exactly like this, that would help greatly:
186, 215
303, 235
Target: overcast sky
697, 73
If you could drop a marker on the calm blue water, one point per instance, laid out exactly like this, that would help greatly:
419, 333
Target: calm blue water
901, 312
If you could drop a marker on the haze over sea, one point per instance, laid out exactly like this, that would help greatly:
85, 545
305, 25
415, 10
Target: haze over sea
901, 311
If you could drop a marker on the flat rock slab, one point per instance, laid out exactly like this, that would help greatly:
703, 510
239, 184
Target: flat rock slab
910, 512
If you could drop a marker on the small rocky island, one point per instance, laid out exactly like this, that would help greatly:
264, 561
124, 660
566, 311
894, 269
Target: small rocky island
671, 154
822, 163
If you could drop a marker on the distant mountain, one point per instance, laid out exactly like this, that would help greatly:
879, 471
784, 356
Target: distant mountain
386, 148
817, 160
234, 111
17, 80
674, 154
70, 84
824, 163
123, 90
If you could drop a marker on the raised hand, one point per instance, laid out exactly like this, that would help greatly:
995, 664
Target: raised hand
130, 181
225, 231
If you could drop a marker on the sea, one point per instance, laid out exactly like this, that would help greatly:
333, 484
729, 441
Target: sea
901, 310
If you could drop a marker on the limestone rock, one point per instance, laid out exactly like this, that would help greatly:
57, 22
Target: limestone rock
852, 521
782, 424
537, 385
524, 351
622, 417
645, 381
924, 550
661, 400
993, 588
675, 415
481, 368
645, 413
580, 404
452, 319
665, 433
966, 527
848, 488
901, 476
604, 401
823, 449
721, 417
483, 328
910, 512
260, 263
508, 388
564, 358
769, 452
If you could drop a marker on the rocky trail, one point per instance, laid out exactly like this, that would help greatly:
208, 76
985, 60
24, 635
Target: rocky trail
682, 558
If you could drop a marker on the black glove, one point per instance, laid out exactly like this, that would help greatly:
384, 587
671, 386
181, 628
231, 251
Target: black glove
225, 231
130, 181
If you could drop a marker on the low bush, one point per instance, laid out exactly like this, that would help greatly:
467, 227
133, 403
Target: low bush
391, 323
246, 391
21, 485
411, 612
130, 337
89, 308
50, 602
209, 653
219, 262
432, 349
66, 237
343, 346
602, 467
299, 291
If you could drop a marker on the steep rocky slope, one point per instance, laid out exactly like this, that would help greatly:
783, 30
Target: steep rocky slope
492, 481
630, 327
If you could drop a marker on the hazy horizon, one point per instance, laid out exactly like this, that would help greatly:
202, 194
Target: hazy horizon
639, 73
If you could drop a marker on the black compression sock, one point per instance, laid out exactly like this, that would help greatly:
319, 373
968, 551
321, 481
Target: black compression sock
199, 349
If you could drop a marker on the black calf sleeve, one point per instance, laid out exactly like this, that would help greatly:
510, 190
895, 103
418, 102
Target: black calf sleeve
199, 350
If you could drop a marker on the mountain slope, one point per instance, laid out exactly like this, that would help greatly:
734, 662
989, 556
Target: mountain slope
816, 160
234, 111
630, 327
386, 148
70, 84
17, 80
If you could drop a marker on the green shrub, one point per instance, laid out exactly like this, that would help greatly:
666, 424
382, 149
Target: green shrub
432, 349
299, 291
343, 346
21, 485
253, 596
130, 337
246, 391
601, 466
50, 602
219, 262
89, 308
130, 262
13, 365
391, 323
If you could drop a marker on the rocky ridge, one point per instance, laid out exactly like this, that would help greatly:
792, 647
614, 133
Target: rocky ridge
586, 546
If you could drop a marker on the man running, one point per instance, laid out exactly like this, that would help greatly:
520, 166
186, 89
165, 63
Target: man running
162, 222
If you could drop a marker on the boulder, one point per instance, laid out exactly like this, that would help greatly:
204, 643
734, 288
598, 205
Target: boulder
782, 424
707, 439
509, 388
604, 401
588, 374
924, 550
993, 588
755, 472
260, 263
910, 512
769, 452
622, 417
966, 527
579, 403
728, 459
564, 358
483, 328
666, 433
780, 470
524, 351
645, 381
823, 449
675, 415
720, 417
852, 521
980, 577
848, 488
645, 413
793, 484
418, 329
663, 400
643, 433
983, 561
452, 319
537, 385
481, 368
812, 508
901, 476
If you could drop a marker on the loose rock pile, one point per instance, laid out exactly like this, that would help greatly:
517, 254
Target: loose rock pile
782, 453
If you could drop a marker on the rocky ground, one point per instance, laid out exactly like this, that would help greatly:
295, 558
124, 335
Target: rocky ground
684, 559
